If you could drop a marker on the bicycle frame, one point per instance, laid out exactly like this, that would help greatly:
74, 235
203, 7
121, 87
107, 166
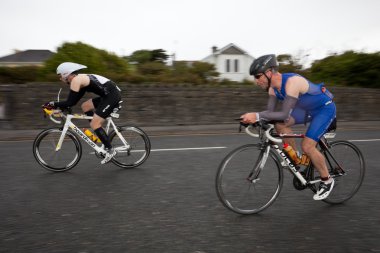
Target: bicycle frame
270, 143
286, 162
110, 124
69, 124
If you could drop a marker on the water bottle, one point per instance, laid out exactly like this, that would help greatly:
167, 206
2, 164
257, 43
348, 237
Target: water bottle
292, 154
90, 135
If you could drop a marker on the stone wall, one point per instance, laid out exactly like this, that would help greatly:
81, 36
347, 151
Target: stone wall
166, 105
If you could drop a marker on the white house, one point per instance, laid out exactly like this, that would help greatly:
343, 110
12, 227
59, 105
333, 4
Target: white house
231, 62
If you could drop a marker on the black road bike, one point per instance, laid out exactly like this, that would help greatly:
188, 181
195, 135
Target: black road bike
250, 178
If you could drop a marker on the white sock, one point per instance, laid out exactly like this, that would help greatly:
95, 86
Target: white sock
328, 181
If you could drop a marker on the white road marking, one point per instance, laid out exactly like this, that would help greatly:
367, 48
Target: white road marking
171, 149
364, 140
184, 149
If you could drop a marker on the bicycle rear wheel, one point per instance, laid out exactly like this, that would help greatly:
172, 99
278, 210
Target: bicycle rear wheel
44, 150
137, 150
348, 157
242, 186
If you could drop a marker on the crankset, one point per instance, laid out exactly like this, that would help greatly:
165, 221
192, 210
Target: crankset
297, 183
99, 155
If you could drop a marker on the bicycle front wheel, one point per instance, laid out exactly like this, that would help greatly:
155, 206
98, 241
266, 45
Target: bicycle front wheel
347, 182
248, 181
46, 153
133, 147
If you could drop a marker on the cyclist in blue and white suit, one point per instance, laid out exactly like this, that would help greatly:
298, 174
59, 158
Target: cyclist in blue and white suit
302, 101
109, 98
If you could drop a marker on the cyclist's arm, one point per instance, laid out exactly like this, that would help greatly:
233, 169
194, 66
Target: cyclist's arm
76, 93
284, 114
272, 102
294, 87
71, 100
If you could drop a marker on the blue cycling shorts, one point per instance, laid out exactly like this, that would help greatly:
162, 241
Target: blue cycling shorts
319, 119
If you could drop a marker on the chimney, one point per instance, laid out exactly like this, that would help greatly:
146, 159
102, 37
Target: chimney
214, 49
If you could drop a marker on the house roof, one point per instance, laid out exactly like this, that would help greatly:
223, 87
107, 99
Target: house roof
231, 49
28, 56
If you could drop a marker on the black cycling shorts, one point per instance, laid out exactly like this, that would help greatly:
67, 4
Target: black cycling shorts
105, 105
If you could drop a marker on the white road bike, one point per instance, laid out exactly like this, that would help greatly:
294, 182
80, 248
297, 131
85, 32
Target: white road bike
59, 149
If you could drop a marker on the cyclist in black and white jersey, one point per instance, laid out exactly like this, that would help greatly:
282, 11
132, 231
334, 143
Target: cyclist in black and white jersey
109, 97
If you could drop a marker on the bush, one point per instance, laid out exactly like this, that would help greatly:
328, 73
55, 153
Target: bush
19, 74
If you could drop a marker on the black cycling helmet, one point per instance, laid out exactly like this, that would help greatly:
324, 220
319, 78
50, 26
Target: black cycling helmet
262, 64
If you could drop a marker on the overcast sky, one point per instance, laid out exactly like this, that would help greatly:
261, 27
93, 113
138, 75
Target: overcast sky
190, 28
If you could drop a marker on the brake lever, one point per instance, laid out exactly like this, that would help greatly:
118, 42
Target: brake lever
241, 124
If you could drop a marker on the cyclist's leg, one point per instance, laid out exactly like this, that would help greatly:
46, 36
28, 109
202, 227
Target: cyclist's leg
285, 128
96, 125
309, 147
102, 111
89, 106
321, 120
297, 117
319, 124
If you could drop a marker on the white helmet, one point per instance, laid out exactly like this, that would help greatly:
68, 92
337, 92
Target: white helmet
66, 68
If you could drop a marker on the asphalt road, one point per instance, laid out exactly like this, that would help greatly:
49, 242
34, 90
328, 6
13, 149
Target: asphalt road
169, 204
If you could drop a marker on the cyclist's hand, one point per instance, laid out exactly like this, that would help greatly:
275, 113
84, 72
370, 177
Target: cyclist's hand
249, 118
49, 105
241, 124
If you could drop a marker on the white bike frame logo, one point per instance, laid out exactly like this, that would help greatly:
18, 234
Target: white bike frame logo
78, 131
290, 164
83, 136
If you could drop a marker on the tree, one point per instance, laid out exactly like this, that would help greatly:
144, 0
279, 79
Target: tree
204, 70
159, 55
144, 56
349, 69
140, 56
152, 68
97, 61
288, 63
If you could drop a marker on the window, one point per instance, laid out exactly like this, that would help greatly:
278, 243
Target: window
236, 65
228, 65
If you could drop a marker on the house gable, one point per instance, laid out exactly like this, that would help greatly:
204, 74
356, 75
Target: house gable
232, 50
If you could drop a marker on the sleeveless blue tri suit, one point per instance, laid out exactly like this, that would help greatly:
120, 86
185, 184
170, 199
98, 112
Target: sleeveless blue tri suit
315, 106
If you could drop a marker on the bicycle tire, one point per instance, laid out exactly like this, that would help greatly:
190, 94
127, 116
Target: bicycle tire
66, 158
138, 151
243, 196
352, 161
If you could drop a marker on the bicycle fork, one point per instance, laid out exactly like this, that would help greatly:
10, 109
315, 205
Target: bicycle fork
253, 177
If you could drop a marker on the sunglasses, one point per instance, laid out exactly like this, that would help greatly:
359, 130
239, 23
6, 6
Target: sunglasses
258, 76
261, 74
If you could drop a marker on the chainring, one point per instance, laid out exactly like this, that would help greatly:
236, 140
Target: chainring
297, 183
